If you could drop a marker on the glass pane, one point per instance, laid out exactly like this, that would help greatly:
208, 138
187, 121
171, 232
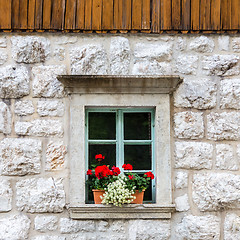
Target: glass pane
139, 156
137, 126
102, 125
107, 150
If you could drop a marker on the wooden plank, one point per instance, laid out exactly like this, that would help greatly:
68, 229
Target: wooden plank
146, 13
117, 14
23, 14
107, 15
38, 14
80, 19
166, 14
215, 14
5, 14
57, 14
136, 14
205, 15
195, 15
176, 14
186, 14
126, 13
226, 15
88, 14
31, 14
235, 14
96, 14
15, 14
47, 10
155, 27
70, 14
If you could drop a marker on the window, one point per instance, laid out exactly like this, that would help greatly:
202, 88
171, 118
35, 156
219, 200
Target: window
122, 135
120, 94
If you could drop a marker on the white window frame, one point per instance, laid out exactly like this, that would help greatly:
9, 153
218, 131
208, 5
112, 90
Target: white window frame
114, 92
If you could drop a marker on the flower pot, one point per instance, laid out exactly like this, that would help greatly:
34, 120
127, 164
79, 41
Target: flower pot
139, 197
97, 195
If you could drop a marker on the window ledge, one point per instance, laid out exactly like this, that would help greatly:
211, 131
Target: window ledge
132, 211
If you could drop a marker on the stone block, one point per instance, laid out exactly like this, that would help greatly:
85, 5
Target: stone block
51, 108
200, 94
20, 156
14, 82
30, 49
74, 226
3, 56
45, 82
44, 223
24, 108
39, 195
232, 227
223, 43
198, 227
181, 44
188, 125
3, 42
221, 65
223, 126
14, 227
6, 195
89, 60
216, 191
236, 44
193, 155
202, 44
187, 64
120, 56
182, 203
46, 237
39, 127
181, 180
5, 119
59, 53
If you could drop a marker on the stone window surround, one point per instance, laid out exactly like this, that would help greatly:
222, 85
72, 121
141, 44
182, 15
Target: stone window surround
120, 91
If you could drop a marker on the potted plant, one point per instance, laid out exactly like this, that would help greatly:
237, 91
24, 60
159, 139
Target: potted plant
110, 186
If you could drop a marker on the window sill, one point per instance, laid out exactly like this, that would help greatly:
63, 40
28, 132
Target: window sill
132, 211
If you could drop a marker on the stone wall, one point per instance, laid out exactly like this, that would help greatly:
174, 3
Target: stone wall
34, 163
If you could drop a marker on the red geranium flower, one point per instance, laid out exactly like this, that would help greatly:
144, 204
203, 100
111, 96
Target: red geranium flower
89, 172
131, 177
102, 171
127, 167
116, 171
99, 157
149, 175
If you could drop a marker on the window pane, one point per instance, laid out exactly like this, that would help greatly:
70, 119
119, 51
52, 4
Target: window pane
137, 126
107, 150
102, 125
139, 156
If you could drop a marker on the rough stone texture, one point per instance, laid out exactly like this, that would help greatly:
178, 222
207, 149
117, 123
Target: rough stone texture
215, 191
187, 64
5, 196
89, 60
120, 56
182, 203
223, 43
236, 44
5, 119
55, 156
3, 42
45, 83
24, 108
200, 94
189, 125
193, 155
232, 227
48, 238
14, 227
223, 126
14, 82
181, 180
20, 156
40, 195
230, 93
202, 44
3, 56
221, 65
75, 226
225, 159
59, 53
199, 228
51, 108
39, 127
181, 44
67, 39
45, 223
149, 229
30, 49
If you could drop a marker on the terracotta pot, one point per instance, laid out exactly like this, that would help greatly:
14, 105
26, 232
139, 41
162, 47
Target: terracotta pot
139, 197
96, 195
